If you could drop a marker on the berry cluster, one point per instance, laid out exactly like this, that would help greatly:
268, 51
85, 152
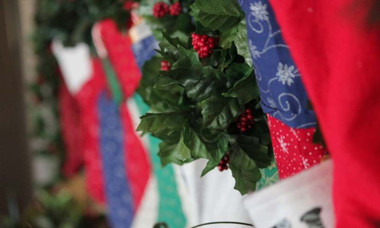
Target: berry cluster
175, 9
223, 164
245, 120
160, 9
203, 44
165, 65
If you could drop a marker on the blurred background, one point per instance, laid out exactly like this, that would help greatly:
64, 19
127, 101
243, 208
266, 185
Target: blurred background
34, 190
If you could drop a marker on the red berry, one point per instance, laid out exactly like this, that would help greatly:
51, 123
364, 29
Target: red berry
245, 121
165, 66
203, 44
175, 9
223, 164
160, 9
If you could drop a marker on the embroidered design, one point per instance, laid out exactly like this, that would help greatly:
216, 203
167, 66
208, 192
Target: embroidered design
286, 74
259, 11
312, 218
283, 144
281, 89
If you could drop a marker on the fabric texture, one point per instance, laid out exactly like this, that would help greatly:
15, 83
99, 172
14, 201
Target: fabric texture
338, 52
72, 135
118, 190
136, 158
283, 95
120, 54
87, 99
294, 149
75, 64
303, 200
282, 92
213, 196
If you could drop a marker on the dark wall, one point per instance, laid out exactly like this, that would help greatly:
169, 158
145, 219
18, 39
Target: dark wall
15, 175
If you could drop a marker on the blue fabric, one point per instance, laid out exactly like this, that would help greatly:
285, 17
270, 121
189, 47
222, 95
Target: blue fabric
118, 194
283, 95
144, 50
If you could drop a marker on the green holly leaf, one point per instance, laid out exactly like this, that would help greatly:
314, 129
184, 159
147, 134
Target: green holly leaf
260, 153
187, 59
241, 41
260, 129
217, 147
244, 170
238, 36
219, 112
160, 94
174, 153
246, 88
211, 164
166, 126
217, 14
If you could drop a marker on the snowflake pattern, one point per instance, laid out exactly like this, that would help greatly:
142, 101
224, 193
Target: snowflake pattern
283, 144
286, 74
305, 162
293, 148
254, 51
276, 73
259, 11
271, 102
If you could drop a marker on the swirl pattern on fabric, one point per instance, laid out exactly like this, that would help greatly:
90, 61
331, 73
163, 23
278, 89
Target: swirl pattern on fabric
282, 93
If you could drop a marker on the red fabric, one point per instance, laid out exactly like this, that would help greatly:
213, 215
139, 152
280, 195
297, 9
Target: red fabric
136, 159
294, 149
87, 99
338, 57
119, 48
71, 134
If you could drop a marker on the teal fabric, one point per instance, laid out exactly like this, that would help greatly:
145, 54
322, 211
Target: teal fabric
170, 208
269, 176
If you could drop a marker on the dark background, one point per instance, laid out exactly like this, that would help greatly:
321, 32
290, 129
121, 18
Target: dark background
15, 174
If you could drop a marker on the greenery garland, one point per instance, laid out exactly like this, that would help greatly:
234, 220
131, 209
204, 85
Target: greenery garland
198, 101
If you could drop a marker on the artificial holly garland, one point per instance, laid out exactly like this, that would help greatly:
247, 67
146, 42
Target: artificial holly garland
205, 100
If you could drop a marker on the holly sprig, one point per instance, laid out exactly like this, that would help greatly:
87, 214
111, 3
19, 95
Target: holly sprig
197, 100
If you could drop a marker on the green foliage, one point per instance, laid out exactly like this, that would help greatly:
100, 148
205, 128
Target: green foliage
244, 170
71, 21
209, 97
217, 14
168, 24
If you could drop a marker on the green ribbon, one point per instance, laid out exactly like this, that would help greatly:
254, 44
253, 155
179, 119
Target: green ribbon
112, 81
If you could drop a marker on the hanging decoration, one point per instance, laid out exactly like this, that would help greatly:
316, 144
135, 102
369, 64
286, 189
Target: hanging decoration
205, 100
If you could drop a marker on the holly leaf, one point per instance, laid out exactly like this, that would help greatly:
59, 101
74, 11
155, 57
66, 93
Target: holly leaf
165, 97
211, 164
217, 14
238, 36
241, 41
217, 147
260, 153
246, 88
166, 126
174, 153
219, 112
244, 170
